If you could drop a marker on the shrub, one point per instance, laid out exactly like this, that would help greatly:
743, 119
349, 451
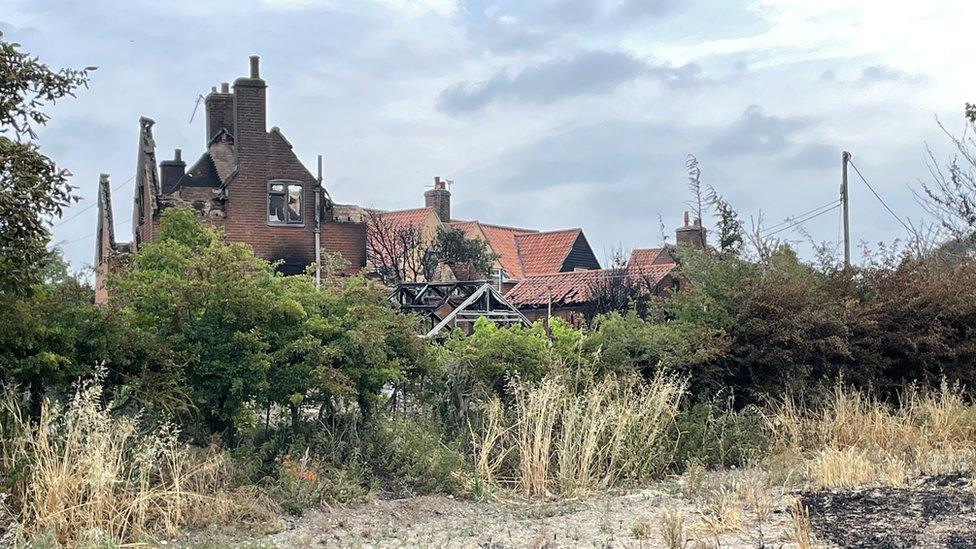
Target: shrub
410, 457
853, 439
714, 434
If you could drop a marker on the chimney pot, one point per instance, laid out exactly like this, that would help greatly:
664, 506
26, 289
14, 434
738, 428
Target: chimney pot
254, 66
686, 218
213, 89
178, 155
224, 87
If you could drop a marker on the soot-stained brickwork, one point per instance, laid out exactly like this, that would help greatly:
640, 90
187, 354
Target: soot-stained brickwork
231, 187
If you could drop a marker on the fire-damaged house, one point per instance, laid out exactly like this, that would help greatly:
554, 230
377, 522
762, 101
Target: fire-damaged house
249, 182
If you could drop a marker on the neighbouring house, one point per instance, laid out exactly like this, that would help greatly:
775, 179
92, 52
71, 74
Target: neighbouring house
249, 182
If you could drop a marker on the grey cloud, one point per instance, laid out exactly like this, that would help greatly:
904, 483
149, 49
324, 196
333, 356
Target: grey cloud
598, 154
652, 8
507, 37
590, 72
587, 12
884, 73
757, 133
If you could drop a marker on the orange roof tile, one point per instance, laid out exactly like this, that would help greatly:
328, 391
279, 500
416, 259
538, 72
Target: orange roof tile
406, 218
576, 287
640, 257
543, 253
502, 242
569, 288
392, 223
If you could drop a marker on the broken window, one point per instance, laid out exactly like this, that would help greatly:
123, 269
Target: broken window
285, 203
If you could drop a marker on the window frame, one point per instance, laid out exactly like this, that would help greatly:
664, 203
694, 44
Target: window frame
285, 194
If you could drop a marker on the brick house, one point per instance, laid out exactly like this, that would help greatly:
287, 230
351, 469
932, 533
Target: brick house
249, 182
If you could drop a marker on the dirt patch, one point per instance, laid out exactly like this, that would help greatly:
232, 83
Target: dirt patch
623, 519
935, 511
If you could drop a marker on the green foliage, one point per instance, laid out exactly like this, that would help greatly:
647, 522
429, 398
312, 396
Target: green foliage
713, 434
32, 188
411, 457
494, 354
469, 256
242, 333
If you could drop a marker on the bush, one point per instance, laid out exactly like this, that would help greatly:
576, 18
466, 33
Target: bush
713, 434
409, 457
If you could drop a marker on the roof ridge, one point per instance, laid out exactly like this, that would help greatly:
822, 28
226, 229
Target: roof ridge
554, 231
509, 227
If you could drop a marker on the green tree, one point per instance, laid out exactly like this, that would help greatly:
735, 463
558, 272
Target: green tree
215, 306
469, 258
33, 190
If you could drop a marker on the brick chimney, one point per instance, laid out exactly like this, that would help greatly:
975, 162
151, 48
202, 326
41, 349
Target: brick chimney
220, 111
691, 234
250, 108
170, 172
439, 198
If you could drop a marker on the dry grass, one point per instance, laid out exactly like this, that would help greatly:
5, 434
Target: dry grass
853, 440
568, 441
673, 528
798, 530
80, 475
722, 510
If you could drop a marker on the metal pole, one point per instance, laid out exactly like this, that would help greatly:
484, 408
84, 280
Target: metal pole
318, 229
845, 202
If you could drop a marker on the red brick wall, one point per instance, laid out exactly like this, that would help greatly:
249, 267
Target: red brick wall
349, 239
261, 157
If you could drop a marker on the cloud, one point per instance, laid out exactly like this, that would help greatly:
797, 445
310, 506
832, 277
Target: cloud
757, 133
603, 12
650, 8
884, 73
775, 137
615, 150
590, 72
507, 35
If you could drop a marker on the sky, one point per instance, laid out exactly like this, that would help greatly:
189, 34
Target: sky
547, 114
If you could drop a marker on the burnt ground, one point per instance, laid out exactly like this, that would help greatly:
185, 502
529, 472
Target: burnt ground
937, 511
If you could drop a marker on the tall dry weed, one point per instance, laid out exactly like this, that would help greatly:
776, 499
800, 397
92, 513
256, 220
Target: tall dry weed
852, 439
568, 439
80, 474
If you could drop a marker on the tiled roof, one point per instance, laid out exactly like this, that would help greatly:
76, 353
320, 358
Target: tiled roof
569, 288
222, 156
543, 253
392, 223
405, 218
502, 242
641, 257
576, 287
652, 274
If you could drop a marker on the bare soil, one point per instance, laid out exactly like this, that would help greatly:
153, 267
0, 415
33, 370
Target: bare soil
930, 512
626, 519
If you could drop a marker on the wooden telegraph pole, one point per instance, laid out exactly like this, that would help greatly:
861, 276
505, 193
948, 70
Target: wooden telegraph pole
845, 201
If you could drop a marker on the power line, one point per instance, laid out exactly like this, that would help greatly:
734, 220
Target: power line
89, 235
876, 195
804, 220
794, 217
90, 206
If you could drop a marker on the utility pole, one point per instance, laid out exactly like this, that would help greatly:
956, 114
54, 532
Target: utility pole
318, 229
845, 202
